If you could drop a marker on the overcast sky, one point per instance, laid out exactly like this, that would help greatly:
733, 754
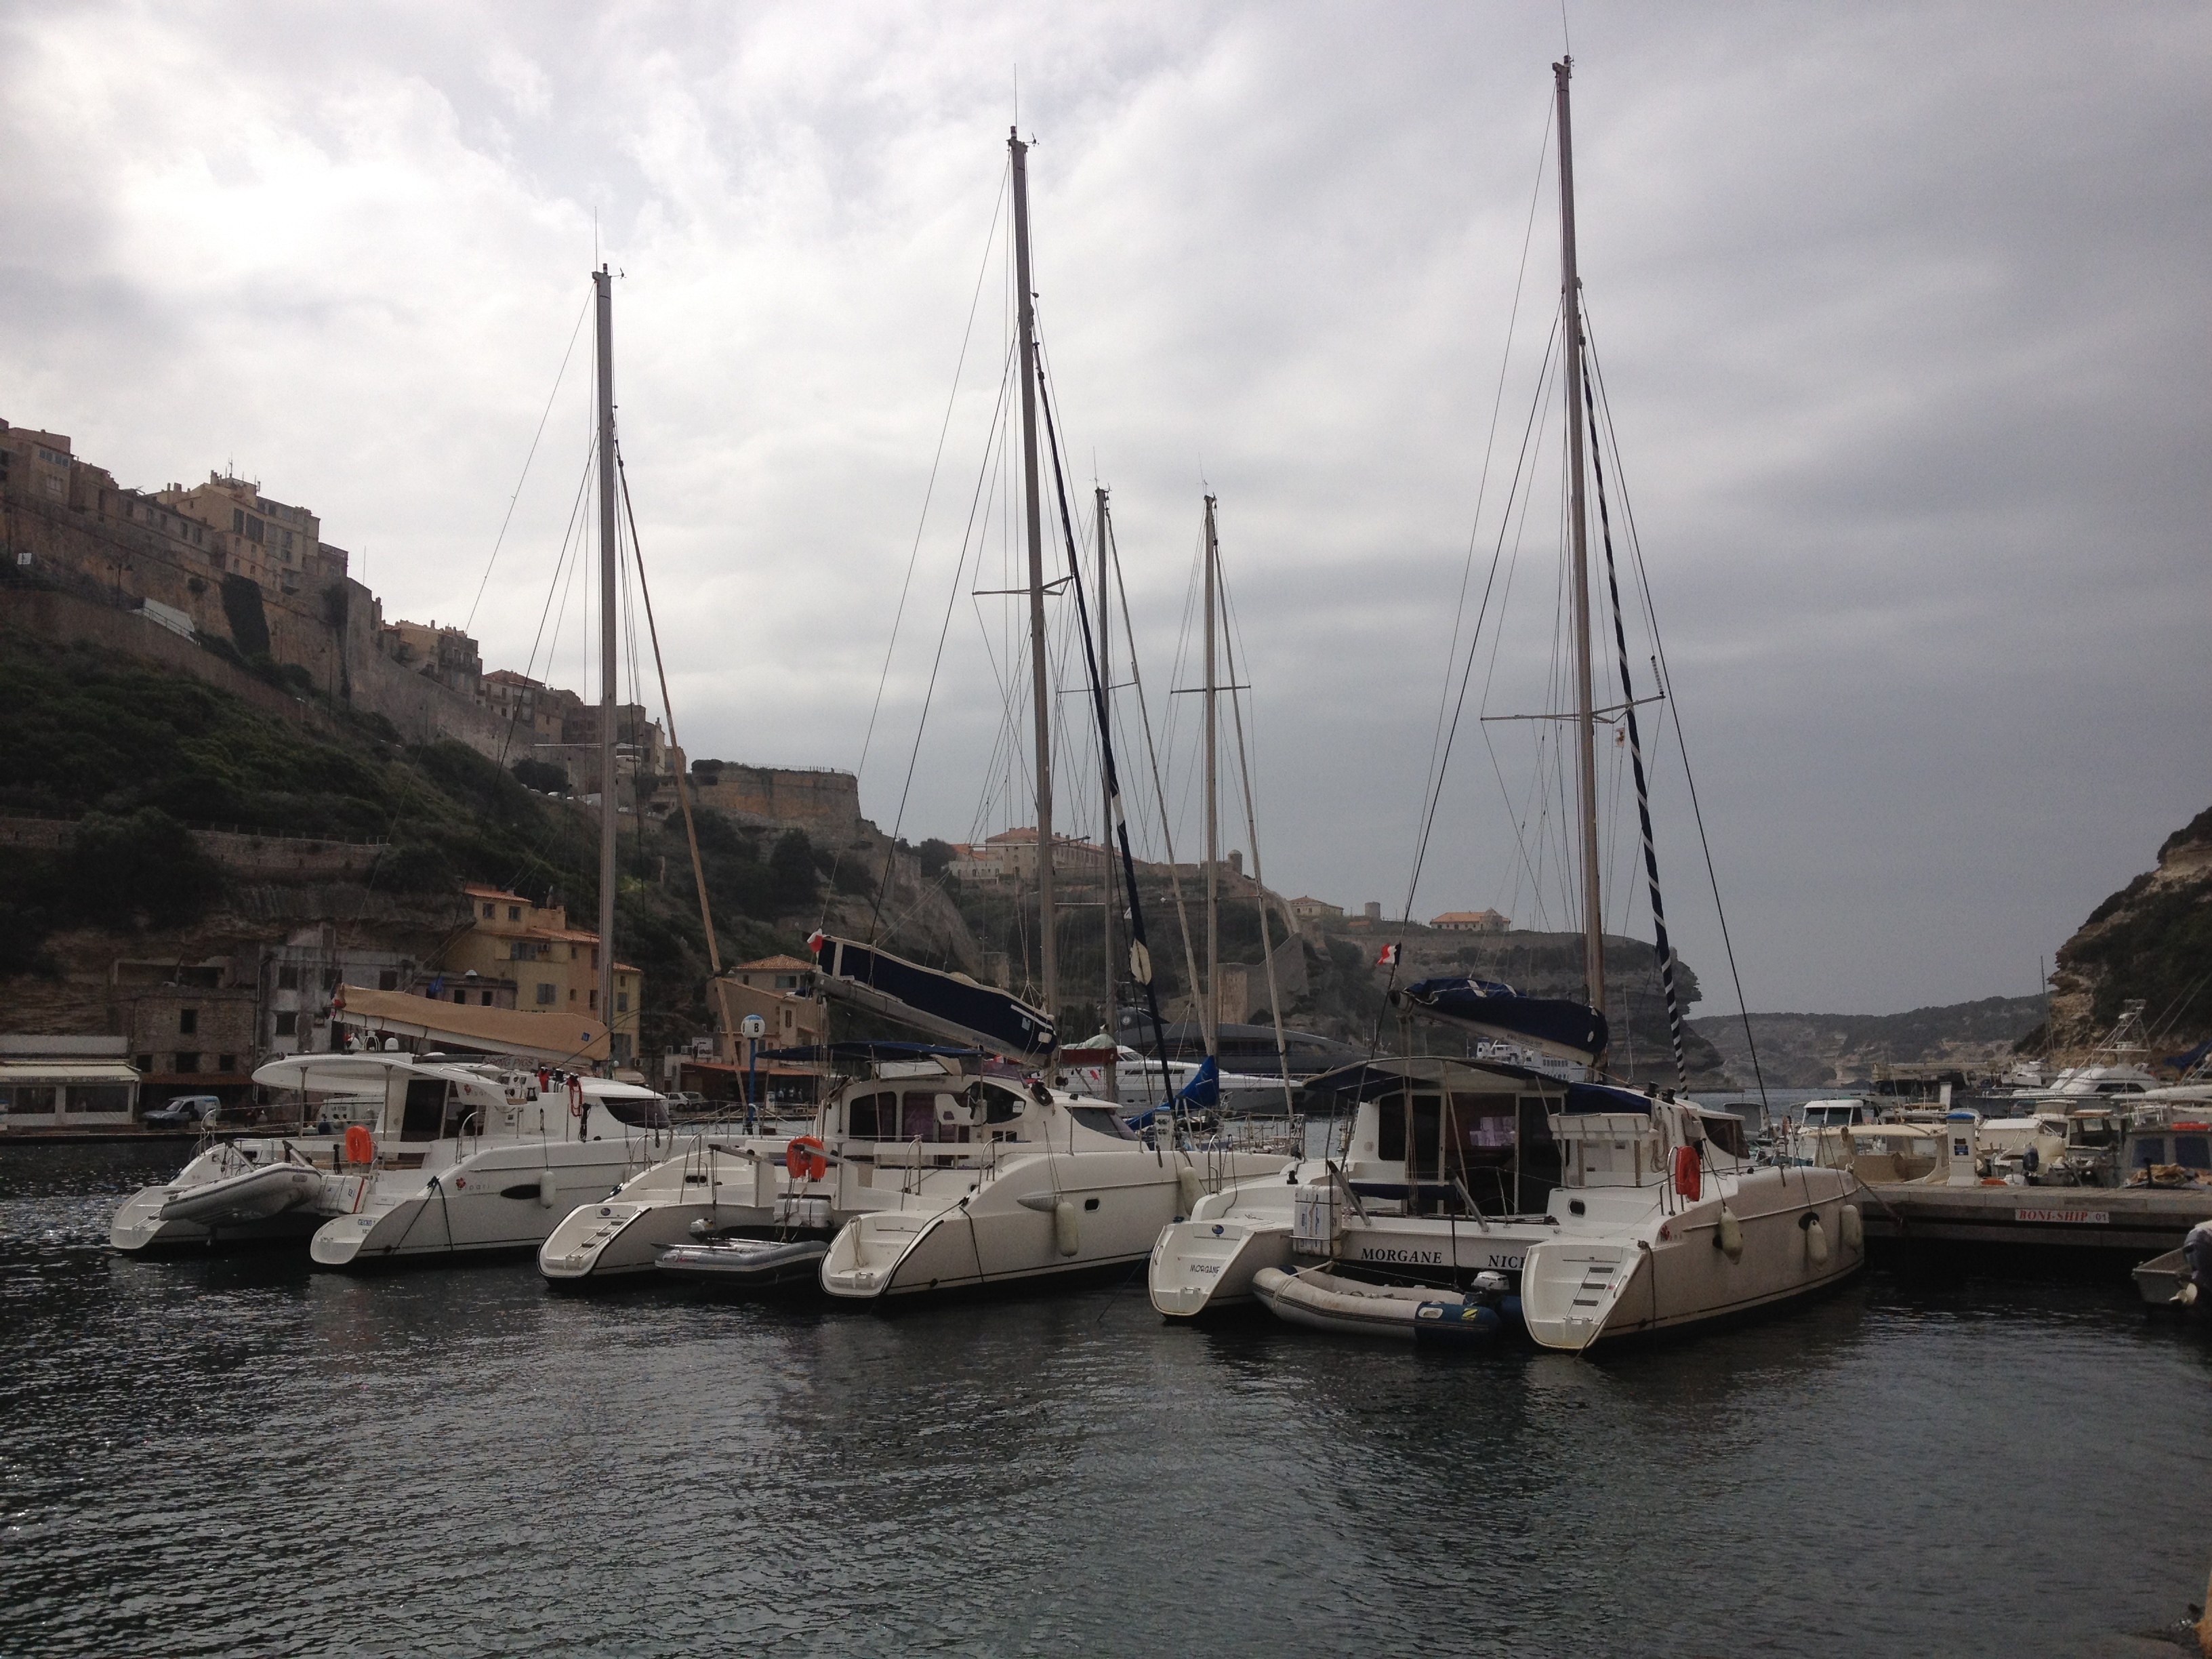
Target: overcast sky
1903, 311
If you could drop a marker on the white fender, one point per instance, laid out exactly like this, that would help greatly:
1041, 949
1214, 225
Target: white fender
1853, 1228
545, 1190
1066, 1229
1816, 1241
1187, 1189
1728, 1235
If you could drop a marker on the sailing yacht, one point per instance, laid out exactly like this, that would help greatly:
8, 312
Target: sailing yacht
1474, 1196
463, 1156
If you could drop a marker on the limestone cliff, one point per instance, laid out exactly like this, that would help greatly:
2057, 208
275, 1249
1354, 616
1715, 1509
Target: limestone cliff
2152, 940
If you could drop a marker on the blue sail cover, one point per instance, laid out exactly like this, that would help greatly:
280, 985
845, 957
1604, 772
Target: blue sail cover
945, 1004
1556, 1025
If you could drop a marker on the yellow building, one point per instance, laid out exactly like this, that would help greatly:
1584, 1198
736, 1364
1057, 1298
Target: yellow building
780, 990
526, 956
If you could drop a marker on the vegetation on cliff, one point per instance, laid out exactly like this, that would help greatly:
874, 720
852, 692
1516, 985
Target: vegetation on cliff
2152, 941
137, 757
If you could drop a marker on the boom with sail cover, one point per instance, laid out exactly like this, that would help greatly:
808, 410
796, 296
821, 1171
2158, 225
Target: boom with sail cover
1555, 1025
950, 1006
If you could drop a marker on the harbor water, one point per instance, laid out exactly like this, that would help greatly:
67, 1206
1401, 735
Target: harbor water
232, 1453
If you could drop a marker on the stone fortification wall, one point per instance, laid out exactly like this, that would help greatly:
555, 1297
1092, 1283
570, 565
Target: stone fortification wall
96, 570
825, 803
261, 858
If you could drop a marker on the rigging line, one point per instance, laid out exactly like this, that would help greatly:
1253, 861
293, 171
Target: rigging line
1252, 833
1138, 942
568, 537
500, 540
990, 238
1490, 442
1682, 742
1434, 793
683, 786
944, 629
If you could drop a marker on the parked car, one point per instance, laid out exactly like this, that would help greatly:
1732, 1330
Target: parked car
184, 1111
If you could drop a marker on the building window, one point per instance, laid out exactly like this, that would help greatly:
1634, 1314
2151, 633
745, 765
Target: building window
187, 1061
490, 910
388, 980
287, 1025
237, 521
622, 1002
188, 1021
595, 1002
143, 1062
544, 993
518, 952
486, 998
460, 996
226, 1062
514, 913
329, 979
288, 977
572, 996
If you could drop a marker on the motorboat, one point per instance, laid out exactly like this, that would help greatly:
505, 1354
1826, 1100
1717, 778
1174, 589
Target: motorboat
1137, 1081
2180, 1278
461, 1156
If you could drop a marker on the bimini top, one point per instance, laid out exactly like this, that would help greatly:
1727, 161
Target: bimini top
1388, 1073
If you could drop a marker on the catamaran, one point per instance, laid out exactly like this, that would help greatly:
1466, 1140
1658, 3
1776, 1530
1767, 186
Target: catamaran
1473, 1195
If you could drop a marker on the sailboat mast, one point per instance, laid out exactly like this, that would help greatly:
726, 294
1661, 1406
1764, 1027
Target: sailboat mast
1577, 518
1039, 687
608, 552
1110, 1025
1212, 1018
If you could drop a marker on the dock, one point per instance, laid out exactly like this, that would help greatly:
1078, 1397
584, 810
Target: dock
2134, 1221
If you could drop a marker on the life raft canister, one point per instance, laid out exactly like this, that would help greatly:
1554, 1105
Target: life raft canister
360, 1145
1689, 1176
803, 1164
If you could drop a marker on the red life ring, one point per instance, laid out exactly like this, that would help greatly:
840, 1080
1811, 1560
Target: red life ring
803, 1165
1689, 1176
360, 1145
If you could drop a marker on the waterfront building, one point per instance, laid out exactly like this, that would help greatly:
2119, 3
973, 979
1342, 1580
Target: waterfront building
517, 954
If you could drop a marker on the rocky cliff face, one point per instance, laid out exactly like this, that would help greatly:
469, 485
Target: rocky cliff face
1821, 1051
2151, 940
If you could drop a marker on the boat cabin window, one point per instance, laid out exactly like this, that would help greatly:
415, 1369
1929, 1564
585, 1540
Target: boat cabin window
1727, 1134
1425, 1161
2149, 1150
1104, 1119
872, 1117
1000, 1103
2193, 1152
1497, 1147
639, 1114
2093, 1132
424, 1114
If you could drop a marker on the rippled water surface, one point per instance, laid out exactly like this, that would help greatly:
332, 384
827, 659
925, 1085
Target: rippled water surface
234, 1455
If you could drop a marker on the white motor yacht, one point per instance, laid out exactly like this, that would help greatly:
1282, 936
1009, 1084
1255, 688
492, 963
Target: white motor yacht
461, 1156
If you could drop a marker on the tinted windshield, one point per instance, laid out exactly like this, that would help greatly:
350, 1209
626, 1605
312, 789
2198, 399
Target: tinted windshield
1103, 1120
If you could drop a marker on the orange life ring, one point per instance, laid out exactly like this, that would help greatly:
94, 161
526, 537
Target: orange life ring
360, 1145
1689, 1177
802, 1164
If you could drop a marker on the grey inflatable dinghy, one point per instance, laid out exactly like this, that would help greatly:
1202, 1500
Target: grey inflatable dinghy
747, 1265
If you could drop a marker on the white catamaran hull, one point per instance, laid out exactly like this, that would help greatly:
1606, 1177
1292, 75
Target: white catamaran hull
505, 1198
1036, 1218
1588, 1284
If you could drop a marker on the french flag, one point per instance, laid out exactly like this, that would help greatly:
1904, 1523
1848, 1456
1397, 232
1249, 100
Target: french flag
1389, 956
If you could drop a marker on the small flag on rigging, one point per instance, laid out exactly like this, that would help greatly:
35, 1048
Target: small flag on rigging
1389, 956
